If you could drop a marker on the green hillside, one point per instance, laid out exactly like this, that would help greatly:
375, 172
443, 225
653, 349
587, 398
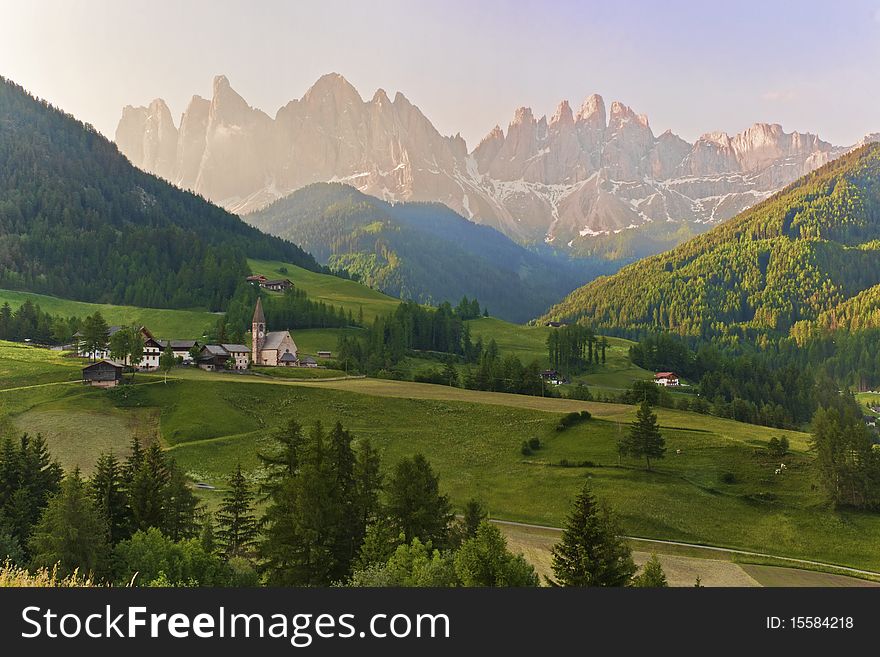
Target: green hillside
78, 220
719, 489
799, 254
333, 290
422, 251
164, 323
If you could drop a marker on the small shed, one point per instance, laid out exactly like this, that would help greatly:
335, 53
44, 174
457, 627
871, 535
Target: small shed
103, 374
213, 357
325, 354
287, 359
308, 361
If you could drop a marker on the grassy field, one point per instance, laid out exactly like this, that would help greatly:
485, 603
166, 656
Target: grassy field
212, 422
530, 343
24, 365
302, 373
177, 324
330, 289
682, 565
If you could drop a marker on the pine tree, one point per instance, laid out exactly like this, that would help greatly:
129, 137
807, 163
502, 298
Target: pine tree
652, 575
302, 520
283, 461
179, 506
474, 514
95, 334
349, 531
146, 488
644, 438
70, 532
415, 504
110, 499
237, 527
592, 551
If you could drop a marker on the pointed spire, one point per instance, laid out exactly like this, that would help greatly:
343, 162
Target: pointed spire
259, 317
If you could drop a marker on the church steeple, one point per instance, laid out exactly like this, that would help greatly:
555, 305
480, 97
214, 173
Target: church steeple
258, 332
259, 317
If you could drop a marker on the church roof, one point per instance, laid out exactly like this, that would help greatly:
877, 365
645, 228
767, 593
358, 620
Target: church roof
259, 317
287, 358
274, 338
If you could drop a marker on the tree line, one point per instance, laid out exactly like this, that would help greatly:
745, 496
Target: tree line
332, 516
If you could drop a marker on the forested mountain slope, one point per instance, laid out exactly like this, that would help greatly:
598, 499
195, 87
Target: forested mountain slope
799, 254
422, 251
77, 220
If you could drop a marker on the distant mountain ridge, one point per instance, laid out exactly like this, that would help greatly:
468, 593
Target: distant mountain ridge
806, 259
578, 180
78, 221
421, 251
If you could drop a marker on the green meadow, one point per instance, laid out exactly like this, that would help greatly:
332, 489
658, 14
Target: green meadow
164, 323
716, 486
350, 295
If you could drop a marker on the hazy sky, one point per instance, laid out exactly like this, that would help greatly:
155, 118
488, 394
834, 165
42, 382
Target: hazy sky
692, 66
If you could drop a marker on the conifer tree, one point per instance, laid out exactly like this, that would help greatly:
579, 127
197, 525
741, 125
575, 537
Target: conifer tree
70, 532
302, 520
592, 551
110, 499
237, 527
349, 532
415, 505
474, 514
652, 575
283, 460
95, 334
146, 488
180, 506
644, 438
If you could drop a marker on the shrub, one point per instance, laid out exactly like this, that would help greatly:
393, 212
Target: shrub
571, 419
581, 393
728, 478
535, 443
778, 446
525, 450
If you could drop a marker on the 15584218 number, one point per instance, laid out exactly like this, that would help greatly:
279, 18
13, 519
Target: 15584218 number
821, 622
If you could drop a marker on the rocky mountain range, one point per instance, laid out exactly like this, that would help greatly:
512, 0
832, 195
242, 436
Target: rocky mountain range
568, 181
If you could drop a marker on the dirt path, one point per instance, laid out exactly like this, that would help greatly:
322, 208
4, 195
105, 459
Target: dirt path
535, 541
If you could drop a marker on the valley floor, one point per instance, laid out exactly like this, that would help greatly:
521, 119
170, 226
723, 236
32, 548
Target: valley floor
716, 485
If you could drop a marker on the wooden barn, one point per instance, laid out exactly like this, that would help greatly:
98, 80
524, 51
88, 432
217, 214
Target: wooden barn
104, 374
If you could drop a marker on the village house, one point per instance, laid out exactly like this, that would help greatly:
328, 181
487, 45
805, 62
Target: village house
272, 349
666, 379
554, 377
239, 355
308, 361
212, 357
276, 285
182, 349
152, 352
279, 285
103, 374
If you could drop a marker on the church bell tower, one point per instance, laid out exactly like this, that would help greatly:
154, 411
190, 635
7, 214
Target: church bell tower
258, 332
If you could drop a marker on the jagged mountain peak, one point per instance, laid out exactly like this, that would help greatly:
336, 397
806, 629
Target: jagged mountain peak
563, 114
566, 180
